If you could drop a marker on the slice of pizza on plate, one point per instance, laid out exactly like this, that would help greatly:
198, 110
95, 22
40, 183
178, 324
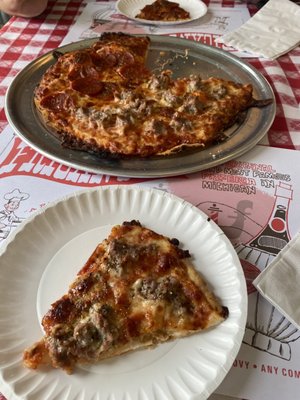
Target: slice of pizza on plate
138, 289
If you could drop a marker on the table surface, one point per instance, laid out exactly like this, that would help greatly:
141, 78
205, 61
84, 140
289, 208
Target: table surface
23, 40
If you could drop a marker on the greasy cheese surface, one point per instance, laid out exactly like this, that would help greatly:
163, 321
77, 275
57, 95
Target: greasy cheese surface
103, 100
135, 290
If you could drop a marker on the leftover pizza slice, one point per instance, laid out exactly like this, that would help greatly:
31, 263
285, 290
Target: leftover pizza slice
138, 289
106, 101
163, 10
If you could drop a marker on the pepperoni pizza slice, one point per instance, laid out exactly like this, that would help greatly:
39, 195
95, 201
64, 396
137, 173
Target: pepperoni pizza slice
138, 289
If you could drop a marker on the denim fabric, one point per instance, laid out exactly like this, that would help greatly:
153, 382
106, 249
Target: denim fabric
3, 18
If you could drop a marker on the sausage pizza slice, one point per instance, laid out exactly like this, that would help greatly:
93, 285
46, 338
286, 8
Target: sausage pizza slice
137, 290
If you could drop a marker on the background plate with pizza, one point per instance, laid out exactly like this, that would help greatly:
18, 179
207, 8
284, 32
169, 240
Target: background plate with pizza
131, 8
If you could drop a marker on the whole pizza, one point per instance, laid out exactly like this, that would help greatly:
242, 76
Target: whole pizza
104, 100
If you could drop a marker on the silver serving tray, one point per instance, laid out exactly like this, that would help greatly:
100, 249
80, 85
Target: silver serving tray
183, 57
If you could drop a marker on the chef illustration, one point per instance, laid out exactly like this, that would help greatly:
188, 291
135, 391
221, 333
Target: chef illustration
8, 217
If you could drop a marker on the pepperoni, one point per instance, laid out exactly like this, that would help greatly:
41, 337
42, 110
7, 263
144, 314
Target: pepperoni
81, 57
89, 86
90, 72
126, 58
74, 73
86, 71
96, 59
115, 57
55, 102
110, 60
104, 59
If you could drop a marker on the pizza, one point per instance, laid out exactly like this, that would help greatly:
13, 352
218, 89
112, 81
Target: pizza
104, 100
137, 290
163, 10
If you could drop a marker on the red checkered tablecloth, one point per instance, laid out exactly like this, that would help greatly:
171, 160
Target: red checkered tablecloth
22, 40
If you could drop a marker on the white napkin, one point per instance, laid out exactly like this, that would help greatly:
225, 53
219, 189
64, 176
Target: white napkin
271, 32
279, 283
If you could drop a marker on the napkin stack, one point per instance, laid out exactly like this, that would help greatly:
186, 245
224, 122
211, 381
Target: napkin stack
279, 283
272, 31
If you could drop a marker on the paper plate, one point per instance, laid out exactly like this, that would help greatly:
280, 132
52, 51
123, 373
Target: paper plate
42, 258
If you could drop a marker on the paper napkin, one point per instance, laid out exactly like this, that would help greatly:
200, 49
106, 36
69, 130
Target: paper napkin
279, 283
271, 32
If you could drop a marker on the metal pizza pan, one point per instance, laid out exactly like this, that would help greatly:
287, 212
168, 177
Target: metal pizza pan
183, 57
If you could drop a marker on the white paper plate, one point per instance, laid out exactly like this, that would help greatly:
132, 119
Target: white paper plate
130, 8
42, 259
